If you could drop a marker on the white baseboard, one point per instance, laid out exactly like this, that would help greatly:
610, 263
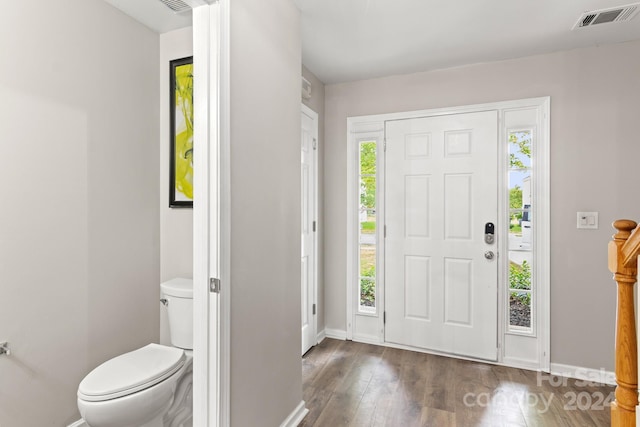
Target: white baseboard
586, 374
336, 334
79, 423
321, 336
296, 416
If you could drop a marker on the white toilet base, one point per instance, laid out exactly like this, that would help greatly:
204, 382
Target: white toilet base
170, 403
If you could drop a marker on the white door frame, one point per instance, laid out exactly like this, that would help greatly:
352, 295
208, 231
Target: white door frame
372, 126
314, 177
372, 323
211, 216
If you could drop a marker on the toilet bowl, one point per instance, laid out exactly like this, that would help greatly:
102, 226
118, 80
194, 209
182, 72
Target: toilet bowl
150, 386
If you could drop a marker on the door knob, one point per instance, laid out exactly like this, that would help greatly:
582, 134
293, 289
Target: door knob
489, 255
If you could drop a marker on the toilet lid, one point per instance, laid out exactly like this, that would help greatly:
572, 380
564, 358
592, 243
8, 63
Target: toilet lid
178, 287
131, 372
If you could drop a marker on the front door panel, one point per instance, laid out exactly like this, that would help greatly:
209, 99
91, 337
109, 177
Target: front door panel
441, 190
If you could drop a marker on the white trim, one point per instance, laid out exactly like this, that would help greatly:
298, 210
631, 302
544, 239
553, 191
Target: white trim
515, 362
204, 232
352, 231
224, 350
314, 117
79, 423
337, 334
368, 339
359, 131
586, 374
369, 121
358, 127
211, 214
374, 127
541, 241
543, 234
381, 218
296, 416
321, 336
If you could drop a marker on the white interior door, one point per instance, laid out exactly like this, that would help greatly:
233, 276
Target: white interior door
308, 226
441, 189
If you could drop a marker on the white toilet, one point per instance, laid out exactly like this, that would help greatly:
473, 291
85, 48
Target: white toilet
151, 386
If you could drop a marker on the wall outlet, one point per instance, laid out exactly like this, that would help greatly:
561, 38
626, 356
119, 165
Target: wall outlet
587, 220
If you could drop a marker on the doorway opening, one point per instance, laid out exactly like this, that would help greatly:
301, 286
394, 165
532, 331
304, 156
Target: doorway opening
309, 215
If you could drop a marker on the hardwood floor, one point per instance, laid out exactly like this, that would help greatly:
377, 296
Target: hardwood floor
352, 384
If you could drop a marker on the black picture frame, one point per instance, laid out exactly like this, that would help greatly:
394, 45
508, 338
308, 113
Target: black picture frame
177, 198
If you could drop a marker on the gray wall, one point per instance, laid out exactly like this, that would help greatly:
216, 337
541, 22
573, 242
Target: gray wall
266, 373
79, 224
176, 224
594, 152
316, 103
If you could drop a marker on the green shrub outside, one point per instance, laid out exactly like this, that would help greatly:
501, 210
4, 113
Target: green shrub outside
520, 278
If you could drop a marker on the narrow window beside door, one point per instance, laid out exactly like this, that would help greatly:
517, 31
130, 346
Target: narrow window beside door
521, 292
367, 219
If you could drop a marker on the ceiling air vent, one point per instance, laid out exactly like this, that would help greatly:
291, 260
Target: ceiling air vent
602, 16
176, 5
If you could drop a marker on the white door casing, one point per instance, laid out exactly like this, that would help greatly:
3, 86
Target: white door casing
308, 171
441, 183
211, 215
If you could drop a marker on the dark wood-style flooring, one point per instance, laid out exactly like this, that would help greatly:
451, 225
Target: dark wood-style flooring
354, 384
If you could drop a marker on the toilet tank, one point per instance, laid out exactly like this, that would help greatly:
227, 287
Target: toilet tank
178, 296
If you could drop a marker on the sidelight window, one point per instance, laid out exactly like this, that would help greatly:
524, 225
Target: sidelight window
521, 223
368, 226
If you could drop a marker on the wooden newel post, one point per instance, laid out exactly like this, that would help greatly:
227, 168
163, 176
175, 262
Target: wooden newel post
623, 409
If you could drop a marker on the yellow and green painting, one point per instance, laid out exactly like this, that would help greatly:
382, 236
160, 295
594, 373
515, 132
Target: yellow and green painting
183, 133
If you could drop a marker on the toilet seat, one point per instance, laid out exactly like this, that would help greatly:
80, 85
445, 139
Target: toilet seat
131, 372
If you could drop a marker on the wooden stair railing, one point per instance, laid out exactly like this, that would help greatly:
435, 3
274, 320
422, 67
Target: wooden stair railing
623, 263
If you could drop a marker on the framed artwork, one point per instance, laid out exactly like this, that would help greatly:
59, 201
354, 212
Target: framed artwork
181, 123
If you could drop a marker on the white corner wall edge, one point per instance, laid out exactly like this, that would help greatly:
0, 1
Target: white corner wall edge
79, 423
321, 336
337, 334
296, 416
585, 374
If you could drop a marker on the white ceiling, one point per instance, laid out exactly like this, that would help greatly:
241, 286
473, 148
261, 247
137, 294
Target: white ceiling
345, 40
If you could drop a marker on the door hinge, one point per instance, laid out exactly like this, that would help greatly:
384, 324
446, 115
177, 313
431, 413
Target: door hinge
384, 317
214, 285
314, 309
384, 231
315, 144
314, 226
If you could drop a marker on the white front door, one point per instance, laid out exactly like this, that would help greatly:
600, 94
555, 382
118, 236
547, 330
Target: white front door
441, 190
308, 209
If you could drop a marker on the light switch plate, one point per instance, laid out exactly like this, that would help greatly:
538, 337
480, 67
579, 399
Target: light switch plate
587, 220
